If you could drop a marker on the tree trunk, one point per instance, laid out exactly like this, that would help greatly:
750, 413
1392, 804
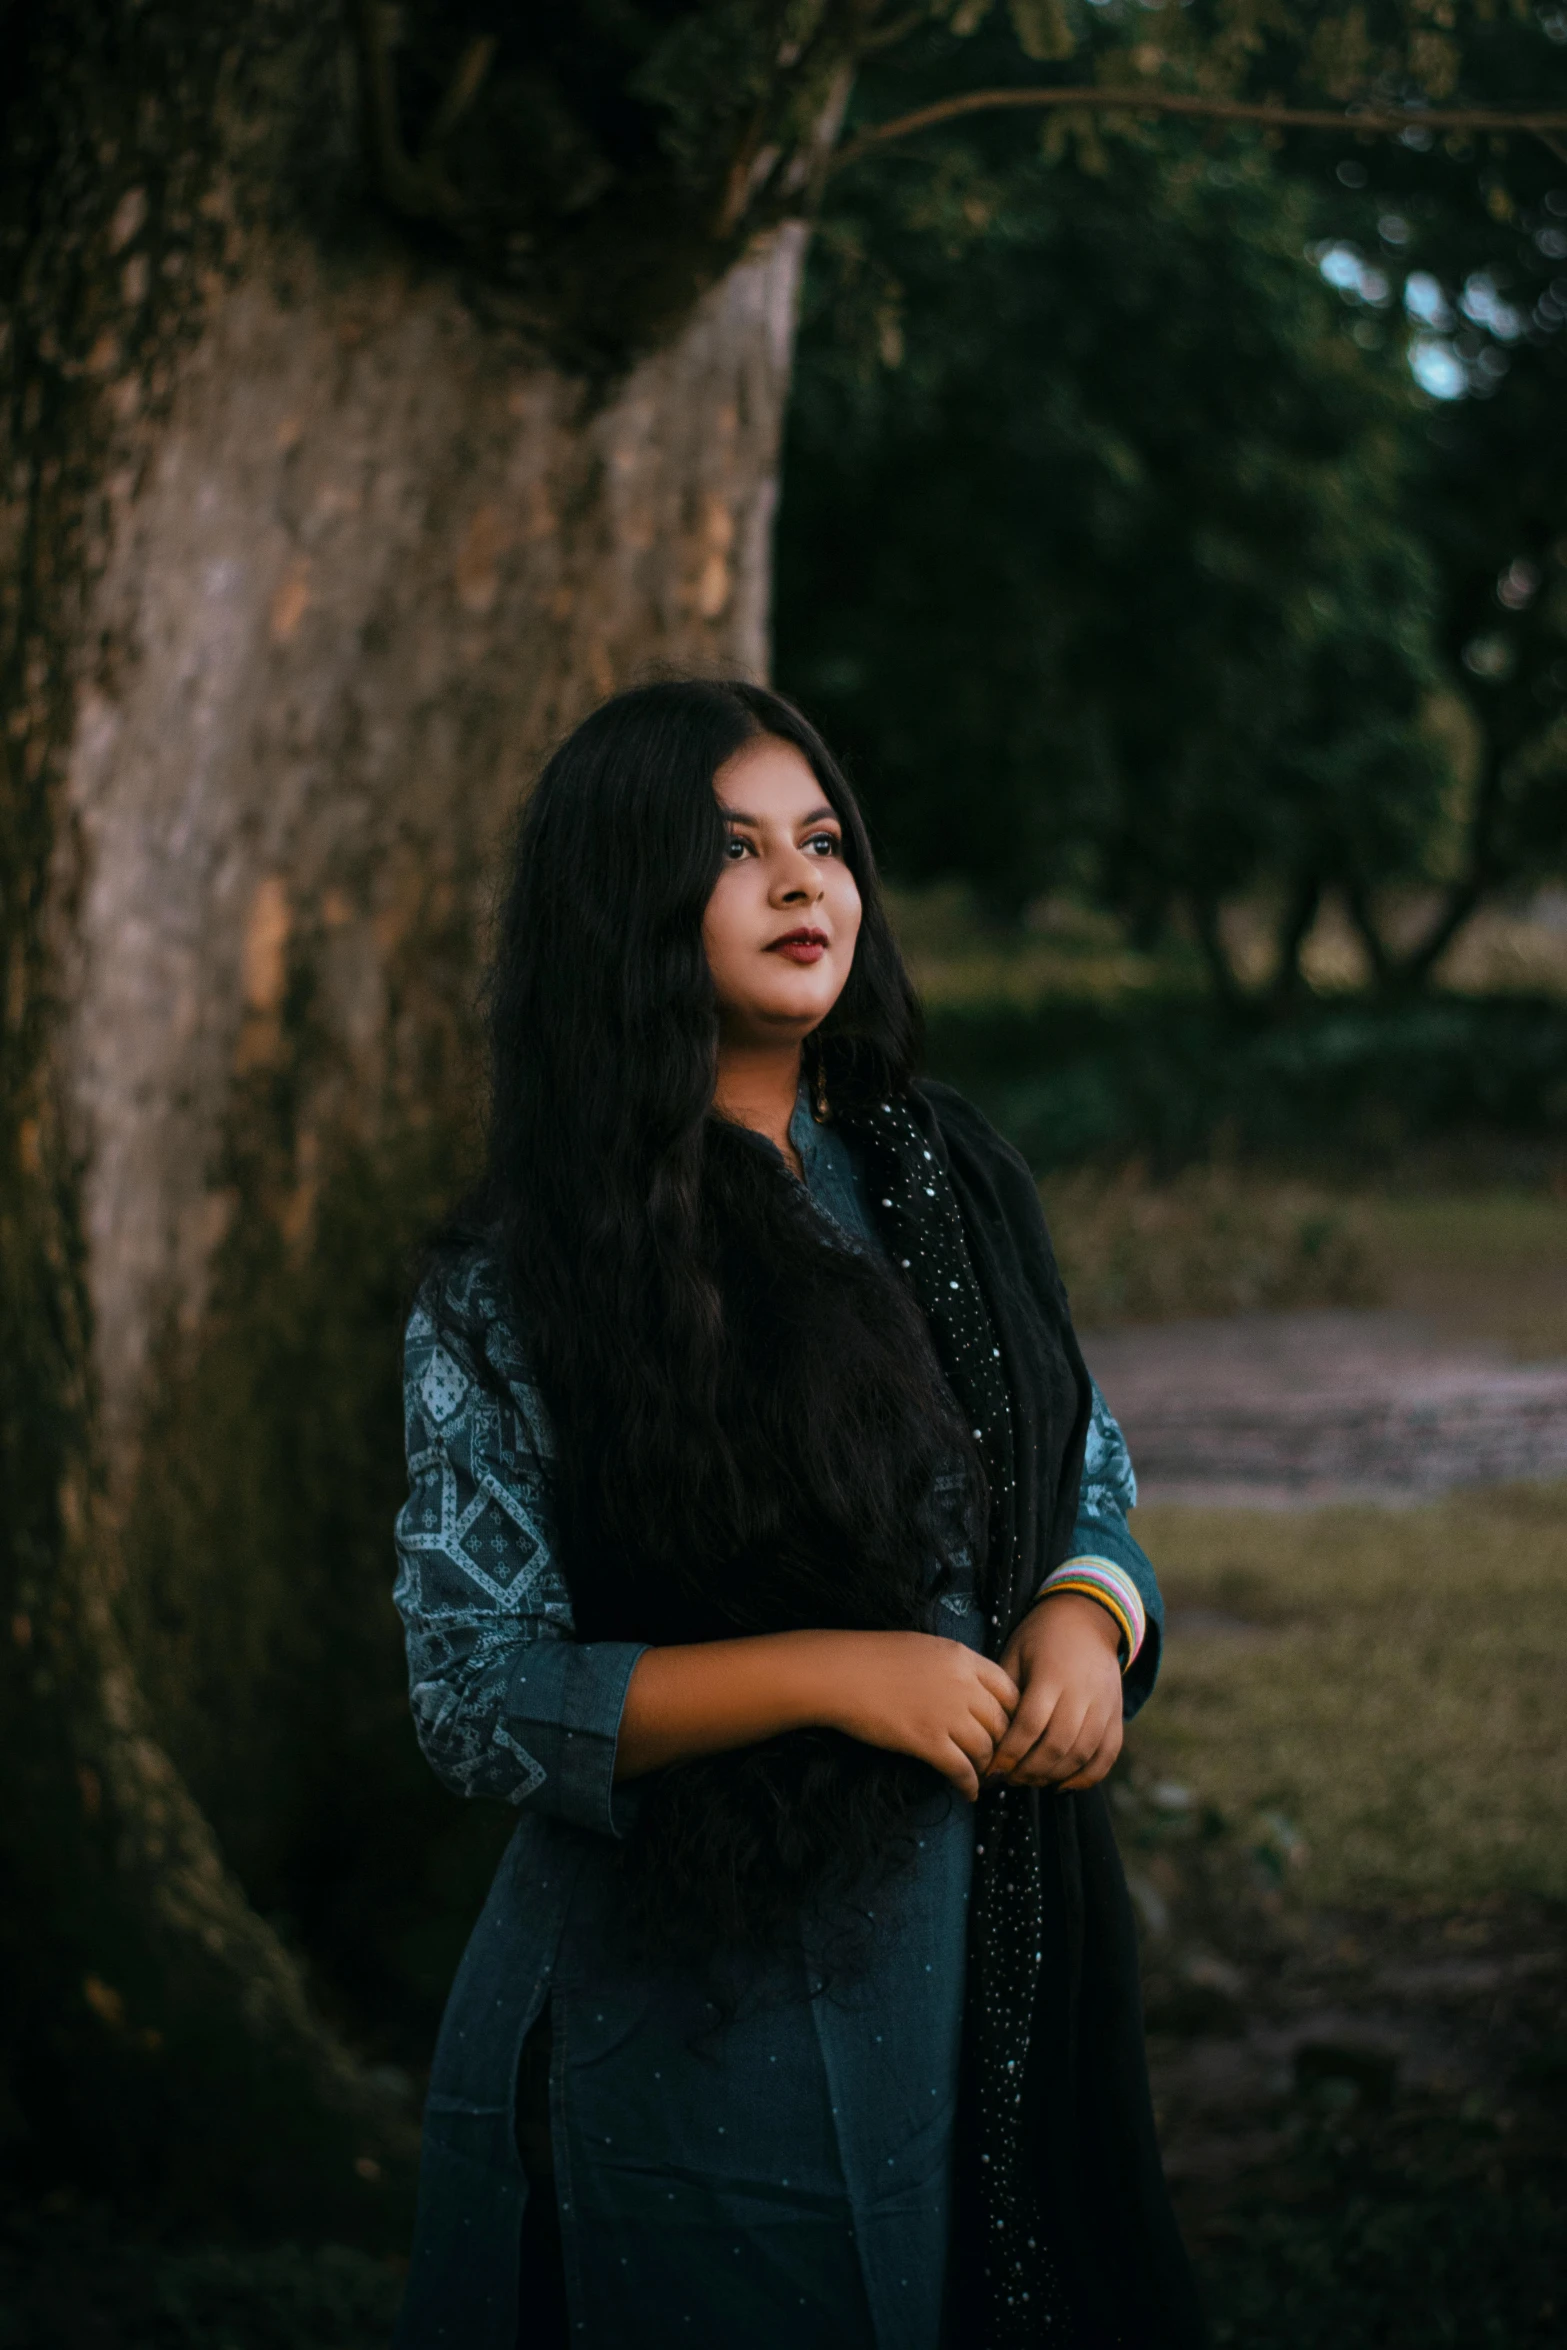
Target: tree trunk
309, 572
371, 570
1295, 924
1215, 954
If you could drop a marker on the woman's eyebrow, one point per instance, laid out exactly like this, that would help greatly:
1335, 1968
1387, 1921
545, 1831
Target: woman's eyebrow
735, 816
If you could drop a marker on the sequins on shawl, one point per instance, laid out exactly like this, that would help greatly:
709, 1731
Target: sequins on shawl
1023, 2303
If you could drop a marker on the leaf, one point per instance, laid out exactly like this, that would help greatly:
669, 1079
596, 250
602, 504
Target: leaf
1434, 58
968, 16
1341, 54
1075, 129
1042, 29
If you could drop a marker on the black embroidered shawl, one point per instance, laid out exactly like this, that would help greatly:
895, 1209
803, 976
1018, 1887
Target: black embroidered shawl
1066, 2232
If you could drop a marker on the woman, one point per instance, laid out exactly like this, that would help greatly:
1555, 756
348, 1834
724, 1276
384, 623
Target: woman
766, 1547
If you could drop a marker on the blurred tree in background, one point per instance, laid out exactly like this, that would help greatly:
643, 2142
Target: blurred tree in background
380, 388
1098, 558
1452, 258
1125, 550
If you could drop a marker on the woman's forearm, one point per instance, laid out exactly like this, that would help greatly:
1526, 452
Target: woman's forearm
911, 1692
705, 1699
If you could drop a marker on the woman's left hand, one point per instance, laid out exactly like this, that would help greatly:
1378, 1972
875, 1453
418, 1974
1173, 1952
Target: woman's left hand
1066, 1732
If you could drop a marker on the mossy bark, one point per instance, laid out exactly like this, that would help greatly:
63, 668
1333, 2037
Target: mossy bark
310, 559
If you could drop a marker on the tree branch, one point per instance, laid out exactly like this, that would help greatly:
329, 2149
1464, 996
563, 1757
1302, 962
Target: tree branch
1469, 891
1389, 119
1210, 939
1464, 899
1300, 914
1357, 901
416, 186
752, 163
471, 68
889, 35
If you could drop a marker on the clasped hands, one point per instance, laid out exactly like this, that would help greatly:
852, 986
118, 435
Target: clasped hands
1065, 1731
1047, 1715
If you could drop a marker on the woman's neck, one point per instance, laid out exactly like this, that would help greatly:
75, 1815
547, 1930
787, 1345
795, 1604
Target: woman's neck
758, 1086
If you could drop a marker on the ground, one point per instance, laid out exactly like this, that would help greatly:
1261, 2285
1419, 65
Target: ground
1346, 1829
1386, 1683
1345, 1823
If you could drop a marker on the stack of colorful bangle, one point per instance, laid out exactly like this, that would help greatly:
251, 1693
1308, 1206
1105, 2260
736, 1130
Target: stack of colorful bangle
1112, 1587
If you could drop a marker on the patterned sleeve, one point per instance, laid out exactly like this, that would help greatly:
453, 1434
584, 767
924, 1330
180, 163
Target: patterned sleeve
1105, 1564
506, 1701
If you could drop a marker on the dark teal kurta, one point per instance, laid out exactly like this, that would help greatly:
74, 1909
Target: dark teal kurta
781, 2176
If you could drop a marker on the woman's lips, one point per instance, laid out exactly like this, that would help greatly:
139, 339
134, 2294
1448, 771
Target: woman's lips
801, 946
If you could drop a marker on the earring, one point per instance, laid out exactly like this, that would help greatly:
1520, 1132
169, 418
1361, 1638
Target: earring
821, 1108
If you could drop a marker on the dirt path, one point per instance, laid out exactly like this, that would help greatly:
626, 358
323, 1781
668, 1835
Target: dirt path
1340, 1404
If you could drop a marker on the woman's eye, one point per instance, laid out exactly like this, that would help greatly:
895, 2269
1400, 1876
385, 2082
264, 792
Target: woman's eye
736, 847
824, 843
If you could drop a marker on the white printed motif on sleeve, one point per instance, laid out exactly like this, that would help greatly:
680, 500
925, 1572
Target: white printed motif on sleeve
477, 1581
1109, 1486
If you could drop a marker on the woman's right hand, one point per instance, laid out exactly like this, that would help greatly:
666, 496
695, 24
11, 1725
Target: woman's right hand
916, 1693
912, 1692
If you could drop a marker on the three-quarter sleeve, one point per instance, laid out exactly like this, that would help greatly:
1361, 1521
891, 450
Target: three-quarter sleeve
506, 1701
1105, 1563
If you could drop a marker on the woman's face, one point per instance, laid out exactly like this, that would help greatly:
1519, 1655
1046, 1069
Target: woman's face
784, 915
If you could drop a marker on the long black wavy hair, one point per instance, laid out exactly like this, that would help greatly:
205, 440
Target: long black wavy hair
749, 1418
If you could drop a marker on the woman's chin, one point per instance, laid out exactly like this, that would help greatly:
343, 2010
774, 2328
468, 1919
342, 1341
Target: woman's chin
793, 1020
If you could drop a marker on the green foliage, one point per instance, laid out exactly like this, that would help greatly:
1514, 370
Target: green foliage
1461, 250
595, 163
1175, 1078
1092, 548
1213, 1241
1125, 554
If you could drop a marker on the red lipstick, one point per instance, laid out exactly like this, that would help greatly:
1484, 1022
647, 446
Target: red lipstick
801, 946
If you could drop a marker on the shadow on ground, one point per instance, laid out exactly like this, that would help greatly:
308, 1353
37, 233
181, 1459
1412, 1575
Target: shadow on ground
70, 2279
1364, 2113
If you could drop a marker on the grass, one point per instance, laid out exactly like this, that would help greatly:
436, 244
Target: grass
960, 959
1369, 1701
1213, 1241
1377, 1690
1223, 1238
1469, 2269
76, 2280
1488, 1265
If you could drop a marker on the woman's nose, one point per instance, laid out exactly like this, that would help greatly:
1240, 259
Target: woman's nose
797, 880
